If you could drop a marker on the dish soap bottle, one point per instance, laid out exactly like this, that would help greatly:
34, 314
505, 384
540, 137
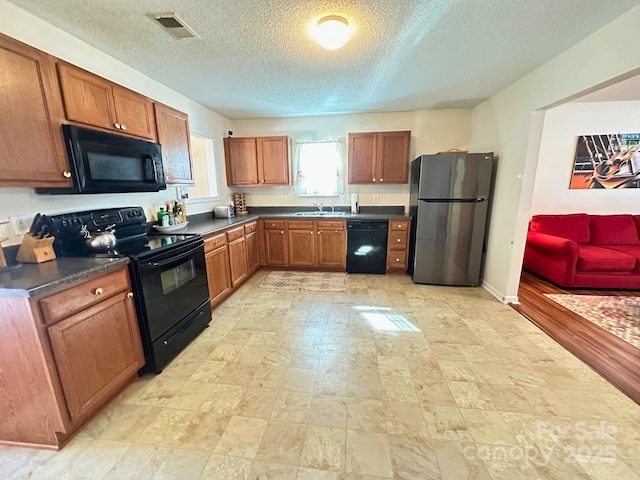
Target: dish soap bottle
160, 215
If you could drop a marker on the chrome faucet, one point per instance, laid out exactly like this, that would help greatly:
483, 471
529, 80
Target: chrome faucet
319, 205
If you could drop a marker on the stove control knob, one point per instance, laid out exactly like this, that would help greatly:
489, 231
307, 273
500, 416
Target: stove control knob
76, 221
64, 223
132, 214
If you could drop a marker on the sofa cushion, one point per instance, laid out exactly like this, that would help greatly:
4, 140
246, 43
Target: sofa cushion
613, 230
573, 226
594, 258
632, 250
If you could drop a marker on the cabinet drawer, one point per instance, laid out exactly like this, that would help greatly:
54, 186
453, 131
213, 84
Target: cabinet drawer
214, 241
235, 233
398, 240
77, 298
331, 224
274, 224
300, 224
396, 260
250, 227
399, 225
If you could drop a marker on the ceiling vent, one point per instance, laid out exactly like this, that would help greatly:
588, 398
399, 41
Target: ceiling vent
175, 26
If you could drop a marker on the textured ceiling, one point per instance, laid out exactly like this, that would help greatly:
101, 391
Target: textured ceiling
255, 58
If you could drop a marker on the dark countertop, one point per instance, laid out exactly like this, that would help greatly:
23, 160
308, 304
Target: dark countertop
207, 227
40, 278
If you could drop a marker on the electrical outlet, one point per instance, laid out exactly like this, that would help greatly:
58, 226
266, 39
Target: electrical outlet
343, 199
376, 199
20, 224
283, 199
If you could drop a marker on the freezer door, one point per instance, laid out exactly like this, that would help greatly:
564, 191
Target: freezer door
448, 242
455, 176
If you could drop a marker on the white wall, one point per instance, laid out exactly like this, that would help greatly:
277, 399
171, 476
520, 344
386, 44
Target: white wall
431, 131
29, 29
562, 126
506, 124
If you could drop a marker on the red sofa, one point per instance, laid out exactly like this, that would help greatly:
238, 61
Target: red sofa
581, 250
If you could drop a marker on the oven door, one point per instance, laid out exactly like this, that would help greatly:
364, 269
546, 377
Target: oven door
173, 284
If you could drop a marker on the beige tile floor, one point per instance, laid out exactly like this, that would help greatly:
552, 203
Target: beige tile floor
390, 380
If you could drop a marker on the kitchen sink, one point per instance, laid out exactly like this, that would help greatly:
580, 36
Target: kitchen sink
319, 214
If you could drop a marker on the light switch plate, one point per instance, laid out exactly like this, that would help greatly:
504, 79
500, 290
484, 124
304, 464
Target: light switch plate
283, 199
376, 199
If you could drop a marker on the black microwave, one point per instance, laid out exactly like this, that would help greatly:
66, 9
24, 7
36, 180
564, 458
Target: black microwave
105, 163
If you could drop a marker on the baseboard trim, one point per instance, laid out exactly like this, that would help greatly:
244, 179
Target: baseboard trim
496, 293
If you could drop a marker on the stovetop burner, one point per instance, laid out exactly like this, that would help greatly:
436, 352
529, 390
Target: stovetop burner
130, 230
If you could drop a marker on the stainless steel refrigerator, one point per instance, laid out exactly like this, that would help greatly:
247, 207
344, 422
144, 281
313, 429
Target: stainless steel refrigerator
449, 197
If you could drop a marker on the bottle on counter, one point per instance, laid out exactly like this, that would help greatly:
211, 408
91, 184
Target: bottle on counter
165, 220
171, 219
160, 215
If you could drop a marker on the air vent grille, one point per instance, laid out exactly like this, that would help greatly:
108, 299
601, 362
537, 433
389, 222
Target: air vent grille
175, 26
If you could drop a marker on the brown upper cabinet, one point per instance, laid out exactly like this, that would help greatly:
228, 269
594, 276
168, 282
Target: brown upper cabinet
174, 136
95, 101
33, 153
257, 160
379, 157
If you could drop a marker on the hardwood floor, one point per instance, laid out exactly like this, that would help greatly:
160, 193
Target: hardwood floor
611, 357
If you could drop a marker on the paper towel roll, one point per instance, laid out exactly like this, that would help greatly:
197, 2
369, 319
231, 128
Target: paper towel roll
354, 203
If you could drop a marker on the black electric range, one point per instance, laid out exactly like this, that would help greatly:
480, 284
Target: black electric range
168, 276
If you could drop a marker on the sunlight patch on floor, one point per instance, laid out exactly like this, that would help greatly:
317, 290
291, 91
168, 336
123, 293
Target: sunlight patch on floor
381, 318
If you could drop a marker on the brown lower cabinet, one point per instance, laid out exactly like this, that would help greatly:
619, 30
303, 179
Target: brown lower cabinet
64, 356
309, 243
397, 246
238, 261
218, 270
276, 249
332, 244
232, 256
253, 257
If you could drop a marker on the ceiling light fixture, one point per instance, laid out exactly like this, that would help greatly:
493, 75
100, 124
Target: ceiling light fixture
332, 32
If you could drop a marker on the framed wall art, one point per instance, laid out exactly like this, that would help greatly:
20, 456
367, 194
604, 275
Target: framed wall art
607, 161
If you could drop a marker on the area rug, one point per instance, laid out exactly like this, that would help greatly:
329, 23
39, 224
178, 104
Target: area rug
617, 315
307, 281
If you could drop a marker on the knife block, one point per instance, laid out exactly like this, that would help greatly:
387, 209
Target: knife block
36, 250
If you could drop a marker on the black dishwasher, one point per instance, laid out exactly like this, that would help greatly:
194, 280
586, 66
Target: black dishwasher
367, 246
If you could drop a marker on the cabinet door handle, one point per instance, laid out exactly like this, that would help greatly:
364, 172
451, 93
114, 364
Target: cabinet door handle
311, 232
374, 179
130, 295
66, 174
398, 240
117, 125
98, 291
319, 232
281, 232
123, 127
382, 180
397, 259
